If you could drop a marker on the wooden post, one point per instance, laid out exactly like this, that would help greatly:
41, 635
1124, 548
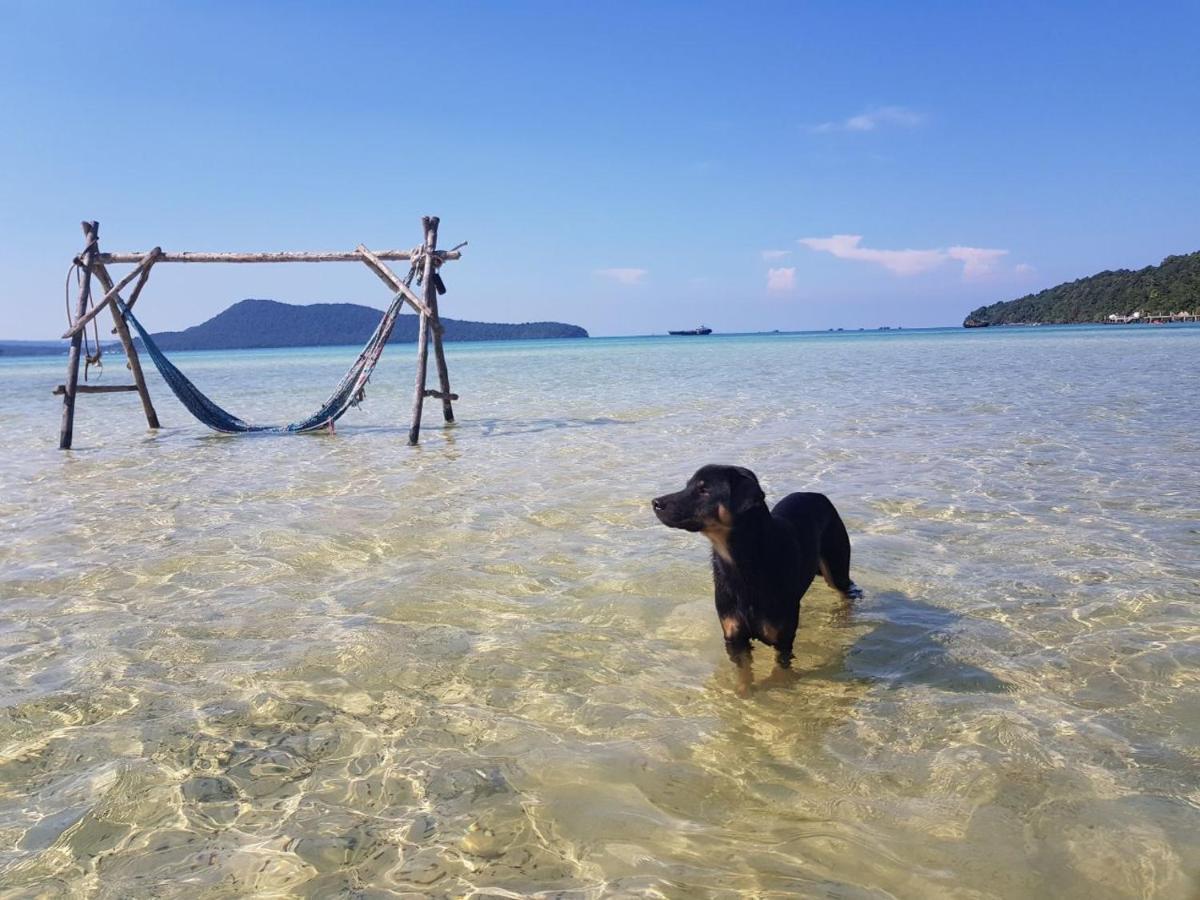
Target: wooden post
430, 224
131, 354
439, 355
91, 231
414, 430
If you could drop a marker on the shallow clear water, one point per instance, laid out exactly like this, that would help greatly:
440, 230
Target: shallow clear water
321, 665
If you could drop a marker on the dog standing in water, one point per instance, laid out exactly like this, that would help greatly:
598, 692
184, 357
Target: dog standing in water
763, 559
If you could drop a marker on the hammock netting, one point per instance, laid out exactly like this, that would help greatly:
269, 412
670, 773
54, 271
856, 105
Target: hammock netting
348, 393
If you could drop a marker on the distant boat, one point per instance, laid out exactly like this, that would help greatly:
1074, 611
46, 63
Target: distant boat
703, 329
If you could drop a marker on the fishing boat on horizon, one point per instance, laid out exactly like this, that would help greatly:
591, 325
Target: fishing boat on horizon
702, 329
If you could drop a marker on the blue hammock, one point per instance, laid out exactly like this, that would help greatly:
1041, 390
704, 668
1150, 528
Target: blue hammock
348, 393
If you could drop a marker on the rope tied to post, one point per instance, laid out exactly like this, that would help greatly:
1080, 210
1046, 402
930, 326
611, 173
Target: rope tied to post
89, 358
417, 269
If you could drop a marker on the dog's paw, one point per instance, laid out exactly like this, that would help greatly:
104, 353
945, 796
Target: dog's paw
780, 677
854, 592
743, 688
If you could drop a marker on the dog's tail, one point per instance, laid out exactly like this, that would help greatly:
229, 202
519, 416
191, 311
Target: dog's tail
834, 563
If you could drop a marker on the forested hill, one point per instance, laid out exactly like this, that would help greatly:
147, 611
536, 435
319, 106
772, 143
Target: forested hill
33, 348
1170, 287
268, 323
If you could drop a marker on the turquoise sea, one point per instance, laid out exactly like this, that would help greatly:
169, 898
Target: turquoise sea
338, 666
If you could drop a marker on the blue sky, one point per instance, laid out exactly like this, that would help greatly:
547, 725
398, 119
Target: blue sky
626, 167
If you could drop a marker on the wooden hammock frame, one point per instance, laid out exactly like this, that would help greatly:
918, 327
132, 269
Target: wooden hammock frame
94, 264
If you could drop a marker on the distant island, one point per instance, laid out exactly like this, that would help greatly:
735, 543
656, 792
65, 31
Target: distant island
34, 348
251, 324
267, 323
1155, 291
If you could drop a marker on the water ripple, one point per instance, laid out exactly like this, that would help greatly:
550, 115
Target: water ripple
338, 666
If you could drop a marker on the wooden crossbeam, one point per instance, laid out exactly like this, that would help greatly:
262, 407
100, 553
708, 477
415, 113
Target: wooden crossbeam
137, 288
429, 392
290, 256
82, 322
375, 263
95, 389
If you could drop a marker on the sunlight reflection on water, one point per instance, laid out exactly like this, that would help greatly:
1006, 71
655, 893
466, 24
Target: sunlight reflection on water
317, 665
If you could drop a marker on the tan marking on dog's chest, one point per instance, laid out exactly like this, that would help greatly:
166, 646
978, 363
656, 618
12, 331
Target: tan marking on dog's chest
718, 533
720, 541
730, 626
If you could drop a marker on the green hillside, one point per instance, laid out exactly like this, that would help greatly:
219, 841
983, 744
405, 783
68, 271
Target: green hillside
268, 323
1170, 287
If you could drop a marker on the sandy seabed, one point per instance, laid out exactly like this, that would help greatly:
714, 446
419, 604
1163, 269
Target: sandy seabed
339, 666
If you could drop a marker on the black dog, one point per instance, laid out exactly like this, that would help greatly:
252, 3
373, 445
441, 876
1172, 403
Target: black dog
763, 560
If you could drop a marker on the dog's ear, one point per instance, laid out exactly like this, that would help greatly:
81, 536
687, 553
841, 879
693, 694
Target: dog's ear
745, 492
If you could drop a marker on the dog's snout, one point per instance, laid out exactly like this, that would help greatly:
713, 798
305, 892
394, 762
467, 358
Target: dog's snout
657, 503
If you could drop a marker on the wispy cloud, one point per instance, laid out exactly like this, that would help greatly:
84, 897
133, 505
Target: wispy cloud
873, 119
772, 255
977, 261
1024, 269
781, 281
623, 276
901, 262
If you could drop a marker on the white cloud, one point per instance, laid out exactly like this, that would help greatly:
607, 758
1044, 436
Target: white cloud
977, 261
1024, 269
901, 262
780, 281
873, 119
772, 255
623, 276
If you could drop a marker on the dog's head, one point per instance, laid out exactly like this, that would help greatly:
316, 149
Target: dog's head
712, 499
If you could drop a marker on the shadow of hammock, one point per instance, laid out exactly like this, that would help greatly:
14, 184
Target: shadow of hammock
508, 427
484, 427
342, 431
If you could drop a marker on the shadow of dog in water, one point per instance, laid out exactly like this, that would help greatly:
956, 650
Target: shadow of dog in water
886, 637
907, 643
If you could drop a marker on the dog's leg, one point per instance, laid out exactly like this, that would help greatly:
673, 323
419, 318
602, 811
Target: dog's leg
737, 646
745, 674
783, 652
782, 673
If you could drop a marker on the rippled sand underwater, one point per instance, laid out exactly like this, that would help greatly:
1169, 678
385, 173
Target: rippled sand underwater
338, 666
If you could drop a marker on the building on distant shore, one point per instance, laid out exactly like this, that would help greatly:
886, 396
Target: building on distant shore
1138, 316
